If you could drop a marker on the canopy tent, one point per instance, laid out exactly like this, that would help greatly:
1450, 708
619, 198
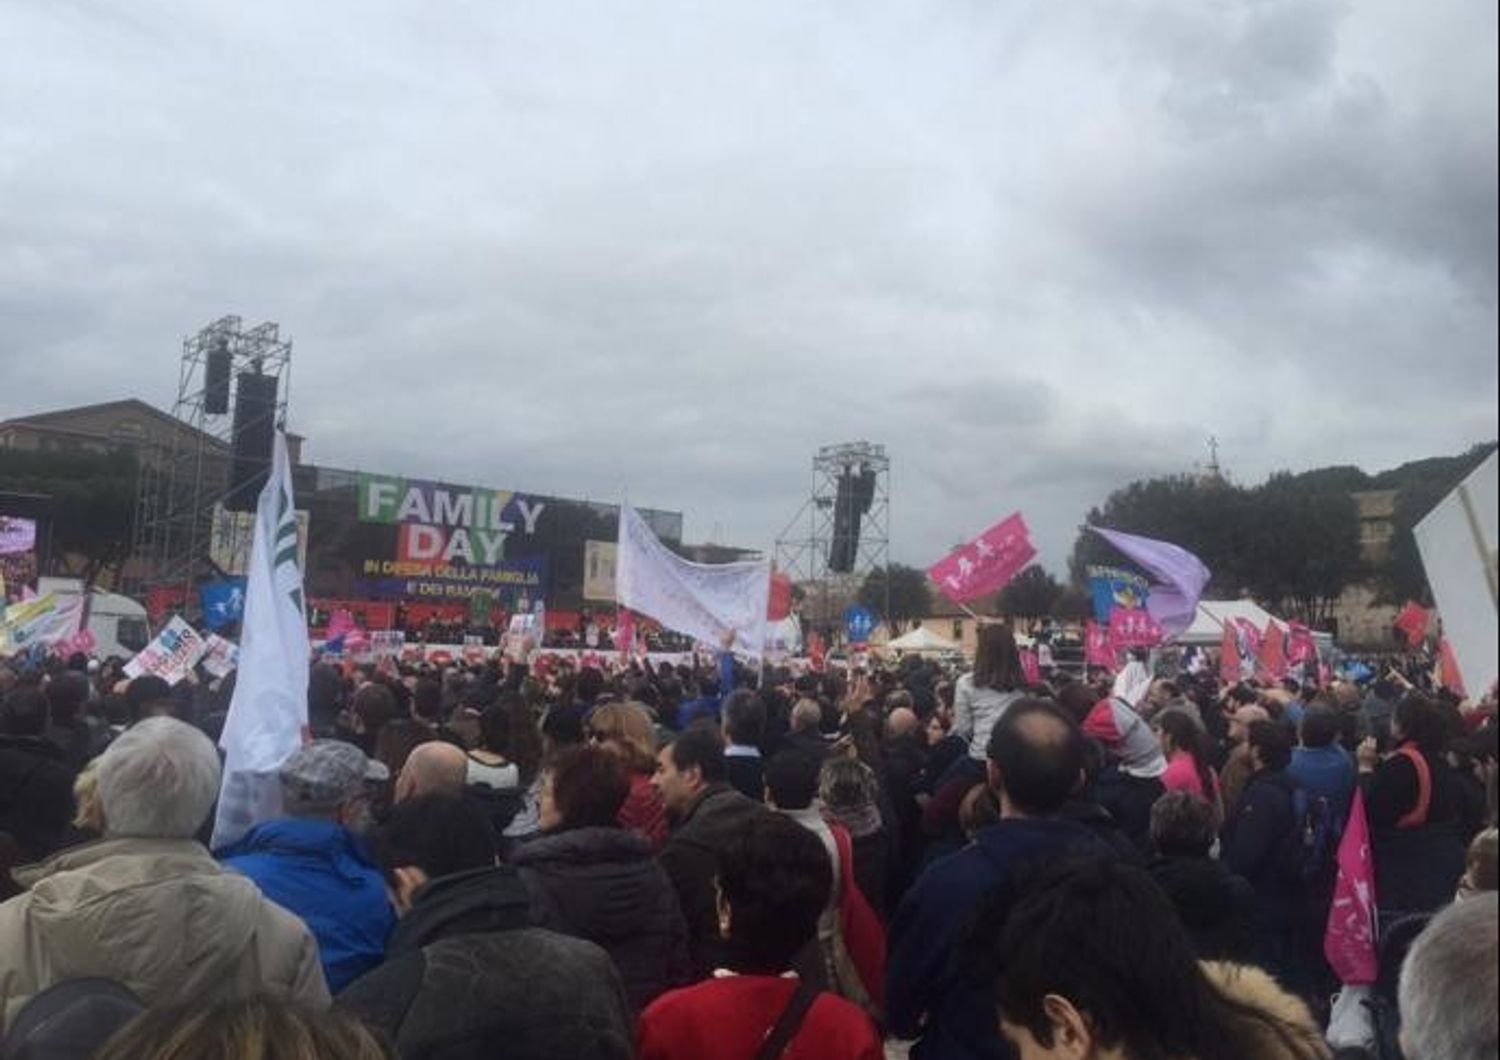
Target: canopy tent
1207, 628
921, 639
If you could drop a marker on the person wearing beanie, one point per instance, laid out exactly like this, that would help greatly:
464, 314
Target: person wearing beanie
313, 861
1131, 780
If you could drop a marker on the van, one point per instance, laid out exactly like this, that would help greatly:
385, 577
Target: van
118, 623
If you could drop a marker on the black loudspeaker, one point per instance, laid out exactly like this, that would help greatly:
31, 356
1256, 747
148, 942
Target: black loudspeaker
254, 428
856, 492
216, 378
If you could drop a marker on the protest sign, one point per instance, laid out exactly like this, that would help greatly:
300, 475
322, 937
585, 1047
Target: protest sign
46, 620
220, 656
171, 656
1112, 587
986, 563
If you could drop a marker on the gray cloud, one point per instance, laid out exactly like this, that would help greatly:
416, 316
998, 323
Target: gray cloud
1036, 249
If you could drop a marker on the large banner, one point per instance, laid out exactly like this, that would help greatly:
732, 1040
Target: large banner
987, 563
1457, 540
451, 542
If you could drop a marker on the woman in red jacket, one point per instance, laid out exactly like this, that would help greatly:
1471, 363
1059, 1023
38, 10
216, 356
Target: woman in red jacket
627, 730
773, 882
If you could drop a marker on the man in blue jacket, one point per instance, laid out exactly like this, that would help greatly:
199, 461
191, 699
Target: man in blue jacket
1035, 765
312, 862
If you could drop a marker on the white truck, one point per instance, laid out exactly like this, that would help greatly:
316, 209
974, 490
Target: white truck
119, 624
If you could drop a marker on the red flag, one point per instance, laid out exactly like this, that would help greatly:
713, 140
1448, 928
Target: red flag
985, 564
1349, 941
780, 604
1272, 656
1096, 649
1132, 627
1229, 656
1452, 677
1412, 622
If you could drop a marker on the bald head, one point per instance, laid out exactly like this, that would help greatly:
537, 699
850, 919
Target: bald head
807, 715
903, 721
433, 768
1036, 759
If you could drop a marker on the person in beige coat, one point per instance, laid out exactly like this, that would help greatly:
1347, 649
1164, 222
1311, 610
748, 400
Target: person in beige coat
147, 906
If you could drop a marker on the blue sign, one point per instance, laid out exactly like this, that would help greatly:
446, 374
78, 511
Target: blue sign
1111, 587
222, 601
859, 623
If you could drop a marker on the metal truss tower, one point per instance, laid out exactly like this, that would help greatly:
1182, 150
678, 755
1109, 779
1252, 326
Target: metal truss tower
842, 531
183, 532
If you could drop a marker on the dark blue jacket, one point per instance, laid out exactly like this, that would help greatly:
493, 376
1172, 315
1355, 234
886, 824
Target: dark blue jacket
924, 973
692, 710
318, 870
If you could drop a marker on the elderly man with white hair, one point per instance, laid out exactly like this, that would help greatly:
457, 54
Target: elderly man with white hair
1449, 982
147, 906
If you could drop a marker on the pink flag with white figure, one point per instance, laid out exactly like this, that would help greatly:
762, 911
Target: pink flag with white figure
985, 564
1096, 648
1131, 627
1301, 647
1350, 942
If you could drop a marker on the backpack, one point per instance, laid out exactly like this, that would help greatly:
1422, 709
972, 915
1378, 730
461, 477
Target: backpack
1319, 828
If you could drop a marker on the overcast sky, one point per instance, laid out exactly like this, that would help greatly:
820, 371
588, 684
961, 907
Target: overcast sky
1036, 248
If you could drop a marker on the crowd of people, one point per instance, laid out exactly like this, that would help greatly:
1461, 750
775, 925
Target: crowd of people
678, 862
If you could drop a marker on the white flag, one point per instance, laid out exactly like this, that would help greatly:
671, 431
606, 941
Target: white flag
699, 600
268, 714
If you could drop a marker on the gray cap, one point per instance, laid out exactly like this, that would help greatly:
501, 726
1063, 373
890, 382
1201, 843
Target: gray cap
325, 773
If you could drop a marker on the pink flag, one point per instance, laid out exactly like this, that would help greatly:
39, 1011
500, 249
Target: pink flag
1131, 627
985, 564
1249, 637
1272, 655
1096, 649
1349, 943
625, 631
1030, 667
1229, 656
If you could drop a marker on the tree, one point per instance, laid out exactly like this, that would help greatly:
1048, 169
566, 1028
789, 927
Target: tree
93, 497
1300, 547
1420, 485
1074, 605
910, 598
1031, 594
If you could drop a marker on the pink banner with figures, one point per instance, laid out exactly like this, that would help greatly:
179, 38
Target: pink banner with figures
987, 563
1130, 627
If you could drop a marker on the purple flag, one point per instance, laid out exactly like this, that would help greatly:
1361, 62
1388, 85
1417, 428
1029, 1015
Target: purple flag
1180, 577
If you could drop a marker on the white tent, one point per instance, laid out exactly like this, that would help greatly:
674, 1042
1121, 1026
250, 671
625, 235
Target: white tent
919, 640
1207, 628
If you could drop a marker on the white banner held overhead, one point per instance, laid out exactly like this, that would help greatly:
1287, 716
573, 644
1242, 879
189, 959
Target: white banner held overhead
1457, 543
705, 601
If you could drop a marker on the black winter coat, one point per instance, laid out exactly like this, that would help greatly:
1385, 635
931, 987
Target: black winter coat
466, 979
1216, 906
690, 858
36, 795
603, 885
